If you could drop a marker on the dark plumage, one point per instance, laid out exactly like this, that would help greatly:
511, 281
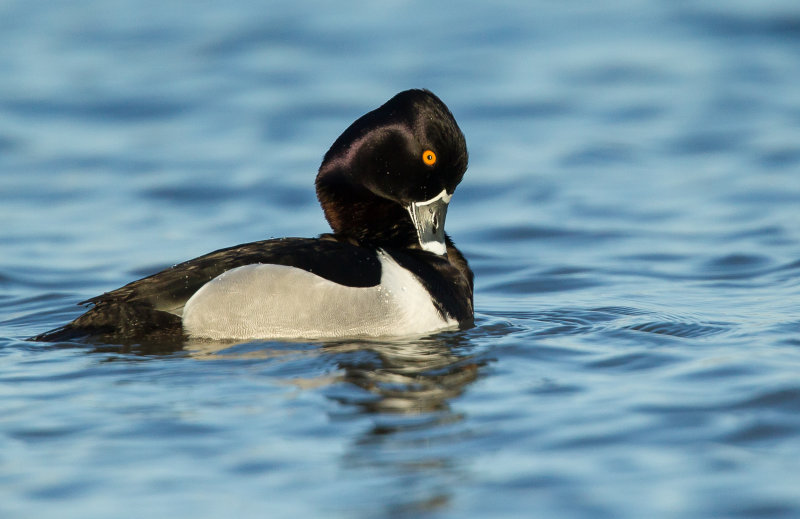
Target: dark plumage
368, 180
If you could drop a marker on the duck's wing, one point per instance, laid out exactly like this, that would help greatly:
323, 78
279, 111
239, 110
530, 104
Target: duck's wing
153, 305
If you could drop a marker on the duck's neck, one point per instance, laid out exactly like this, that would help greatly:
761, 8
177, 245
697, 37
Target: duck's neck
358, 214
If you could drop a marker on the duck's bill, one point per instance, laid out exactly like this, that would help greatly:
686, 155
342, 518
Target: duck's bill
428, 218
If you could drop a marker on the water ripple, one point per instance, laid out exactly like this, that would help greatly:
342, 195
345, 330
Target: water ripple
630, 212
681, 329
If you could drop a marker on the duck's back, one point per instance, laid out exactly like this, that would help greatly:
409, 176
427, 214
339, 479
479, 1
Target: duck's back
291, 287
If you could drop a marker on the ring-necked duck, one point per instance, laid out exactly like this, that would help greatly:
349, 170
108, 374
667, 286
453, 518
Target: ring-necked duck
388, 268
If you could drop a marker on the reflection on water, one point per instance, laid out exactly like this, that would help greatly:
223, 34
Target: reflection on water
630, 212
398, 394
398, 377
413, 435
407, 378
395, 399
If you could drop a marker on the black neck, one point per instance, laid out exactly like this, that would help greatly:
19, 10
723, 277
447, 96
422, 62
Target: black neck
358, 214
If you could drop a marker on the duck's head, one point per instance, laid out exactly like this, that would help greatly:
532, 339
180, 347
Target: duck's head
388, 178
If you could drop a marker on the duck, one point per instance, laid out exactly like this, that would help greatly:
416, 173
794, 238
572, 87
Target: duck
387, 269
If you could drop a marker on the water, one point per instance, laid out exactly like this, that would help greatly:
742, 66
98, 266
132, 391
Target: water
631, 212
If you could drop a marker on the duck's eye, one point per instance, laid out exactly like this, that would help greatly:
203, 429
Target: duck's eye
429, 157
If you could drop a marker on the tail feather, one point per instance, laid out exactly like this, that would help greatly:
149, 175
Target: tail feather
62, 334
117, 321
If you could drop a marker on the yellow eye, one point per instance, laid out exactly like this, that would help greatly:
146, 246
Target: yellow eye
429, 157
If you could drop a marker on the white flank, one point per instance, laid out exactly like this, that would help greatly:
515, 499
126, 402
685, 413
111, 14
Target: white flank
264, 301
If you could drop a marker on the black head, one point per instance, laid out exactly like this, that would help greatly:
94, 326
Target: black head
409, 150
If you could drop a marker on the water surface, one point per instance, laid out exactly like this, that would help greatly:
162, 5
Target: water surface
631, 212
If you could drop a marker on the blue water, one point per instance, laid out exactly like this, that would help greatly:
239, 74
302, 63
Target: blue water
631, 211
